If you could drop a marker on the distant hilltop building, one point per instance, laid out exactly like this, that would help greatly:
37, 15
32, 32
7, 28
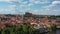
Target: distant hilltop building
27, 14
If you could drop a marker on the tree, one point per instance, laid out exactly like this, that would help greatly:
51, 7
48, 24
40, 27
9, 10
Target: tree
53, 27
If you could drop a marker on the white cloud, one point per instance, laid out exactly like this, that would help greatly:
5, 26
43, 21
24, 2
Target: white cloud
25, 3
56, 11
30, 4
12, 9
27, 10
55, 3
39, 1
52, 8
10, 1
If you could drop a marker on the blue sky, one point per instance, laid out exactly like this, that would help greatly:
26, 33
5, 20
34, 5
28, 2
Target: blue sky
43, 7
